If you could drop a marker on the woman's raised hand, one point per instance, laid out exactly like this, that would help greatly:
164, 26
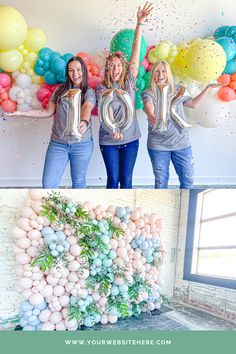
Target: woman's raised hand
144, 12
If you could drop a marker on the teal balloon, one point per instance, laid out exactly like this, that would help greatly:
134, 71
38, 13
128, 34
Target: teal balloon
44, 51
138, 100
46, 65
141, 71
54, 55
57, 65
50, 78
140, 83
231, 31
230, 67
123, 41
147, 80
229, 47
220, 31
0, 70
67, 57
39, 70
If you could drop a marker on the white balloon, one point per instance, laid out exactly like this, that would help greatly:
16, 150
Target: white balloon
23, 81
13, 93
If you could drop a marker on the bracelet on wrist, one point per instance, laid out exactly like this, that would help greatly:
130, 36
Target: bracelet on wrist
140, 24
85, 121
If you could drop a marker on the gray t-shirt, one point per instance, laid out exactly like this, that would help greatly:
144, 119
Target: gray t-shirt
171, 139
133, 132
61, 116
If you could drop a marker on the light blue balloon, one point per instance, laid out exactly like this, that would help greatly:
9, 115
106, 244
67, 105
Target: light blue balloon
29, 328
120, 212
144, 245
52, 246
102, 256
23, 322
114, 311
105, 239
25, 305
32, 319
114, 290
93, 272
112, 254
46, 230
97, 262
128, 209
110, 276
107, 262
36, 312
88, 322
28, 313
73, 300
54, 253
60, 248
123, 288
41, 306
61, 236
229, 47
134, 244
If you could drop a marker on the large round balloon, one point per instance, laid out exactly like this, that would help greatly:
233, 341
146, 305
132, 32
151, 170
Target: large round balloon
228, 45
123, 41
230, 67
10, 60
35, 40
13, 28
220, 31
205, 60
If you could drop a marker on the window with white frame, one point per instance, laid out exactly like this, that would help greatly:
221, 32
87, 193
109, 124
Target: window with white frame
210, 255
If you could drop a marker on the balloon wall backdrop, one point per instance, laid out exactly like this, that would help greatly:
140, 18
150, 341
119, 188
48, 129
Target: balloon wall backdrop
80, 265
30, 71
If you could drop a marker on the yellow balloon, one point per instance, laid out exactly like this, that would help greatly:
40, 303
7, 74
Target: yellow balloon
35, 40
13, 28
152, 56
11, 60
162, 51
31, 58
178, 66
37, 79
205, 60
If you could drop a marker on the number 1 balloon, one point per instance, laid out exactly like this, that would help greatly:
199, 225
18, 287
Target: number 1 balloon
166, 107
105, 112
73, 98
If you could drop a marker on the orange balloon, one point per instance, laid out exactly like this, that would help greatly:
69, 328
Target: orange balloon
226, 94
224, 79
84, 56
233, 85
233, 77
8, 106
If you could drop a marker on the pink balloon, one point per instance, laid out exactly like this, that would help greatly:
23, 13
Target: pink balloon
149, 67
145, 63
84, 56
94, 81
42, 93
8, 106
5, 80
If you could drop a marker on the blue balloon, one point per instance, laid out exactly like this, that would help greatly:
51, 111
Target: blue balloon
50, 78
54, 55
220, 31
57, 65
230, 67
61, 77
45, 50
67, 57
231, 31
228, 45
39, 70
46, 65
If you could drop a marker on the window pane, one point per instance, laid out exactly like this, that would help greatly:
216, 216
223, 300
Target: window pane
221, 263
218, 202
220, 232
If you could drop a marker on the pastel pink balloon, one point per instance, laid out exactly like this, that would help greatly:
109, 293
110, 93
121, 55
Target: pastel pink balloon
34, 234
135, 215
5, 80
112, 319
64, 300
104, 319
25, 283
48, 326
36, 299
23, 258
60, 326
114, 244
139, 223
59, 290
47, 290
75, 250
23, 243
55, 317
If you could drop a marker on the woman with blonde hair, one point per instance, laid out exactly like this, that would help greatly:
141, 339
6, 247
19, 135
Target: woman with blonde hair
119, 151
170, 141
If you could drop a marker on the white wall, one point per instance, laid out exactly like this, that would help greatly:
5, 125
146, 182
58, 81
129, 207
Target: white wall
165, 203
79, 25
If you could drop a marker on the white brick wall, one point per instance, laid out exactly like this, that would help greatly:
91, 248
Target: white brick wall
165, 203
217, 300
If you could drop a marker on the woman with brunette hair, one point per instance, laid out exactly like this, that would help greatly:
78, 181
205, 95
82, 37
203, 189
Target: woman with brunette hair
65, 145
120, 151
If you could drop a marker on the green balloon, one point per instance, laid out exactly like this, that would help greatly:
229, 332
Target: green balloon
141, 71
0, 70
123, 41
138, 100
147, 80
140, 83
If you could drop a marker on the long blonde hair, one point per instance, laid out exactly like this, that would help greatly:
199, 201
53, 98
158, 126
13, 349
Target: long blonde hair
170, 80
107, 74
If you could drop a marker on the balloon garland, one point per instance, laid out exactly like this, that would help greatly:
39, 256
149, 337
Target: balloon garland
81, 265
23, 51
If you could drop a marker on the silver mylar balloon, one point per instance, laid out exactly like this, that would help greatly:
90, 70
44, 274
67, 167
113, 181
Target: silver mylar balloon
179, 97
105, 113
166, 107
162, 107
73, 98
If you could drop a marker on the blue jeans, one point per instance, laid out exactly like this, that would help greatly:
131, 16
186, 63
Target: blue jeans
119, 161
183, 163
57, 157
